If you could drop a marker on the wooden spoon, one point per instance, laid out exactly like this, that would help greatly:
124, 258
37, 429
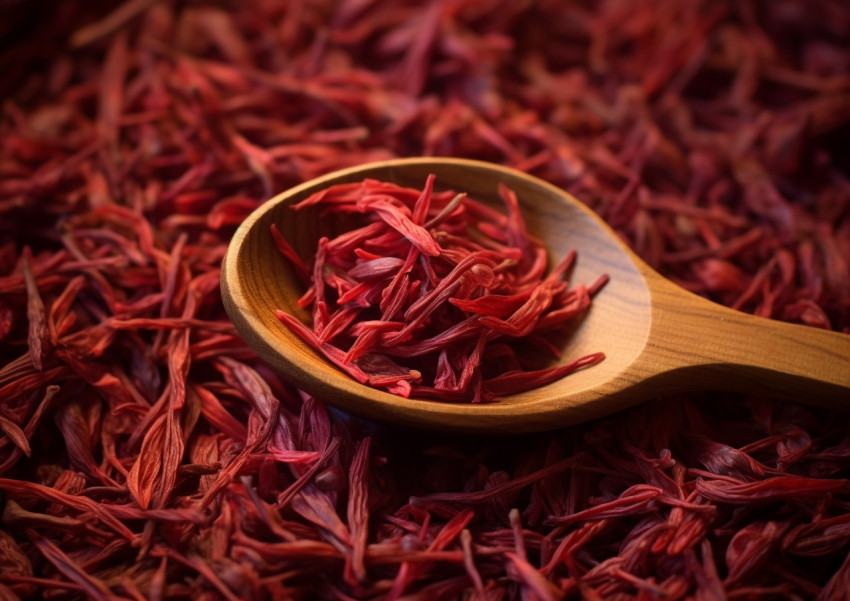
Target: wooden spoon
658, 338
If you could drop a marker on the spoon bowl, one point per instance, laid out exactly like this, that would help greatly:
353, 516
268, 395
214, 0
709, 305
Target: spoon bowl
657, 337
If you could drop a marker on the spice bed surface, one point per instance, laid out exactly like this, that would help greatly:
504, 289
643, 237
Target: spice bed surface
146, 452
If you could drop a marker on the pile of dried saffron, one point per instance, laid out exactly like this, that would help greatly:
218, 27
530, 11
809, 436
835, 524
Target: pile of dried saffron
433, 294
146, 453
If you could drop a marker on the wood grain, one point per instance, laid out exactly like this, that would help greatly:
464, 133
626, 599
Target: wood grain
658, 338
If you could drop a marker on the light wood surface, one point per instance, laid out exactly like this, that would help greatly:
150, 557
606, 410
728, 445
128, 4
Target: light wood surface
658, 338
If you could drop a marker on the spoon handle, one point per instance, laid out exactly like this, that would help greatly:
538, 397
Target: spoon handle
701, 344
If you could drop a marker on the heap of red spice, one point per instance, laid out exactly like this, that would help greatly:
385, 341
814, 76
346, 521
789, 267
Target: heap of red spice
145, 453
435, 293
